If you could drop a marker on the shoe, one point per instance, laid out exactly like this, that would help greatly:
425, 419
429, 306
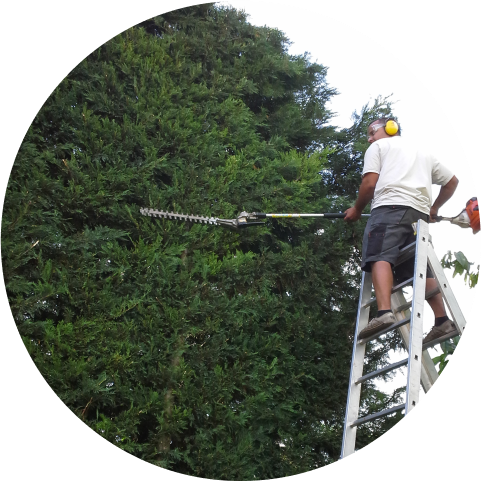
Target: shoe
447, 328
377, 324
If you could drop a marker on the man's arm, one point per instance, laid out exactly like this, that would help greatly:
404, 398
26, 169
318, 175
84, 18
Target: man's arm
444, 194
366, 193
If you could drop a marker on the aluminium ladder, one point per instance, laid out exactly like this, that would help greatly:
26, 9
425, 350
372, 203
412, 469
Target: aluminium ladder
420, 367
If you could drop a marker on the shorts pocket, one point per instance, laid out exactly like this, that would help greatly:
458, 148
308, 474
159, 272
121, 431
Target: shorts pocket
399, 215
375, 240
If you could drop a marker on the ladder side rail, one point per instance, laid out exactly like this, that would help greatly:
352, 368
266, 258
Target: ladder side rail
429, 373
446, 291
357, 366
417, 311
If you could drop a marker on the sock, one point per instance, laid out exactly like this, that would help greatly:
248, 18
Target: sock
439, 321
381, 312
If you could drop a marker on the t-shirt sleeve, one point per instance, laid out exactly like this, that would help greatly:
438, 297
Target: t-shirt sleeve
441, 175
372, 159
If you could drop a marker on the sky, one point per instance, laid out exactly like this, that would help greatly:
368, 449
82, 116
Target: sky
361, 70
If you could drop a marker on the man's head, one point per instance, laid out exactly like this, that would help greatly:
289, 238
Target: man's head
377, 129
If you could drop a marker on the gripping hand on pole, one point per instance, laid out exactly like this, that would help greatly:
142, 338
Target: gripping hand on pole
352, 215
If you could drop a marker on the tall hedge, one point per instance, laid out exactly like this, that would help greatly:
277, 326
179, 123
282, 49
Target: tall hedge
207, 351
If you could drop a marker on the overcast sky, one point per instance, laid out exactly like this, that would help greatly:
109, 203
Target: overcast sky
361, 69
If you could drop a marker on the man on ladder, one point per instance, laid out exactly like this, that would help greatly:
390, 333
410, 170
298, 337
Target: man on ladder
397, 177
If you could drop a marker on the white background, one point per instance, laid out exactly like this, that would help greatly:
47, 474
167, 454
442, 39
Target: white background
361, 69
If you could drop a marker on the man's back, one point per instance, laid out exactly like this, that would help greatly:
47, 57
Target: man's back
406, 173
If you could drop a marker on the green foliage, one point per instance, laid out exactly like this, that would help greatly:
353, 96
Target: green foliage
213, 353
461, 265
447, 348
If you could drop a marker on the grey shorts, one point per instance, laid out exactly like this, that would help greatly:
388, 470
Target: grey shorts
388, 230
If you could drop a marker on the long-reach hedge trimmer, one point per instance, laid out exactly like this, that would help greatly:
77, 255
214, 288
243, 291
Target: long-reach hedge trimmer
467, 218
244, 219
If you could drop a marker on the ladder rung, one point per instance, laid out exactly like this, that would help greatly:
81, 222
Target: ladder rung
403, 307
402, 285
374, 416
406, 253
386, 330
401, 363
386, 369
437, 341
407, 305
394, 289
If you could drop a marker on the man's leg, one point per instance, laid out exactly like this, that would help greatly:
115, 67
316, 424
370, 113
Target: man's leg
442, 324
382, 279
435, 302
382, 240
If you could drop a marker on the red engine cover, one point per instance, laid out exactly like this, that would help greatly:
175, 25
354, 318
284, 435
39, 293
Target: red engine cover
472, 209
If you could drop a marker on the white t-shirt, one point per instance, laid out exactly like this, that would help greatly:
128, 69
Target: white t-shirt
405, 174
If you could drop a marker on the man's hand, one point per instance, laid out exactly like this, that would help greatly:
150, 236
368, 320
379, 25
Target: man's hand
432, 214
352, 214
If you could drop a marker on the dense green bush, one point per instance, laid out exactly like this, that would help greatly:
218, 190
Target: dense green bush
211, 352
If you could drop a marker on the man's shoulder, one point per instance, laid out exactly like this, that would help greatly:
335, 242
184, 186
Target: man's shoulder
381, 146
394, 140
396, 144
374, 147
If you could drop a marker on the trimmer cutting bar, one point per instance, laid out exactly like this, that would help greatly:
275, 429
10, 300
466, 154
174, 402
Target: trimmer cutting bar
179, 216
244, 218
189, 217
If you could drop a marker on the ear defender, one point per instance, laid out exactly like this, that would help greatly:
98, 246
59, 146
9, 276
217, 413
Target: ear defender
391, 127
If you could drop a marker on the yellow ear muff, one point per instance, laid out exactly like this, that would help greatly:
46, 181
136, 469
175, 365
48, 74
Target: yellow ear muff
391, 127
